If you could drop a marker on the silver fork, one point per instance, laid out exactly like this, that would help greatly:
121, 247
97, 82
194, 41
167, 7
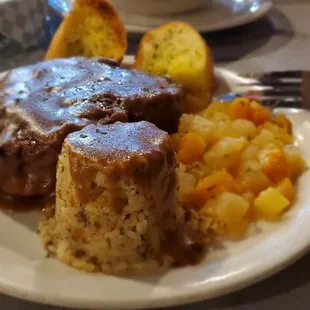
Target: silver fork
275, 89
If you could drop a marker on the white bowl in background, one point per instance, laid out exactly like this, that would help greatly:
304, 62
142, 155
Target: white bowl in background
157, 7
212, 16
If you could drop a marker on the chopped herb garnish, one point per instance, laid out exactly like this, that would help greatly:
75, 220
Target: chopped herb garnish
146, 89
83, 136
211, 188
102, 132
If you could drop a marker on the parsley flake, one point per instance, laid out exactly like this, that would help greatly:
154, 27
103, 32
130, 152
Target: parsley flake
146, 89
102, 132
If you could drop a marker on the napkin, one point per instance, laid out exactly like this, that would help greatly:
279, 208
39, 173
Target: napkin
23, 20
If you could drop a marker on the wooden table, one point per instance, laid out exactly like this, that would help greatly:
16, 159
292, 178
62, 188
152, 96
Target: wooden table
279, 41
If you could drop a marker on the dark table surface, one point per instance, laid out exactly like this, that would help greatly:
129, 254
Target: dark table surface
279, 41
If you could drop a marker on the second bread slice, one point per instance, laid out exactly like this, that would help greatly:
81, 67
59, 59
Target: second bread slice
177, 50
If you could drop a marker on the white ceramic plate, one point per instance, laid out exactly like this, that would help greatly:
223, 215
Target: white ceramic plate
26, 273
216, 15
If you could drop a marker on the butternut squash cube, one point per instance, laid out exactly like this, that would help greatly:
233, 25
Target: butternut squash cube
191, 148
286, 188
270, 203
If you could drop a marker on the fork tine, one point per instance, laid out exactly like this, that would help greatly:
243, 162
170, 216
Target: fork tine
277, 74
272, 82
292, 102
263, 90
270, 101
278, 91
275, 88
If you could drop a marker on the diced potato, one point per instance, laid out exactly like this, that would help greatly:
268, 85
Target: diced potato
296, 163
270, 203
246, 170
209, 208
225, 153
198, 169
200, 125
186, 123
274, 163
286, 188
263, 138
182, 168
220, 117
231, 207
187, 183
250, 153
225, 129
244, 128
248, 196
191, 148
223, 126
255, 181
211, 186
249, 165
237, 188
278, 133
214, 108
237, 230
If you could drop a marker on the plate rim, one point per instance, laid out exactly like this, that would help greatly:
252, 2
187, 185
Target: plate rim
258, 271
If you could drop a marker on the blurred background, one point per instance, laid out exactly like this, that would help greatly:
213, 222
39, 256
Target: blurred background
225, 24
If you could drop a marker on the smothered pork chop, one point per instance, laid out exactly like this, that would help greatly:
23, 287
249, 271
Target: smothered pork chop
42, 103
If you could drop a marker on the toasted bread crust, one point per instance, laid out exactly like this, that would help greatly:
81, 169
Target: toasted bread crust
62, 47
200, 85
57, 47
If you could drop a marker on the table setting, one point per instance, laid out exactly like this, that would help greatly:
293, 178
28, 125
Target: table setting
260, 52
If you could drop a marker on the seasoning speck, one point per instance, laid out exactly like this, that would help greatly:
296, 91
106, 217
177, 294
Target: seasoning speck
146, 89
102, 132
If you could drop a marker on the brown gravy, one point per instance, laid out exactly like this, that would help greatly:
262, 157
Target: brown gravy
145, 154
184, 245
16, 204
42, 103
